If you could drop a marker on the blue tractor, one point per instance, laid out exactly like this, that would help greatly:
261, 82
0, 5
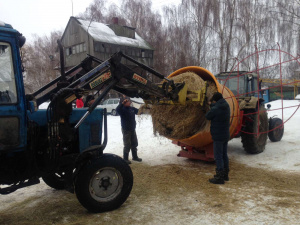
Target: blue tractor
62, 145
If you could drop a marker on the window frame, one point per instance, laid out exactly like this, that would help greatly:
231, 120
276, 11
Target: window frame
105, 102
13, 73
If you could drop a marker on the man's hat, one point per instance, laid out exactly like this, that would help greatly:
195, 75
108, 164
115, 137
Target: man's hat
217, 96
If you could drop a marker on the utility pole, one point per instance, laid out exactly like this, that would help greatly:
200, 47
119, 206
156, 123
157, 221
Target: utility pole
72, 7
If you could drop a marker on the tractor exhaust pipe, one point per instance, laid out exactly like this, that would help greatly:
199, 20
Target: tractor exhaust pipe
62, 61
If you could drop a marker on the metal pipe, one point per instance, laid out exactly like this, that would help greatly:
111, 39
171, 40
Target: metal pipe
144, 66
55, 81
105, 127
62, 60
82, 119
96, 102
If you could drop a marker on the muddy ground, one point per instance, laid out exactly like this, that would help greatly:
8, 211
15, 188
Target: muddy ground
173, 194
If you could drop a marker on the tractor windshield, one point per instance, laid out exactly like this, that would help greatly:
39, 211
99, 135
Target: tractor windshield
8, 93
234, 83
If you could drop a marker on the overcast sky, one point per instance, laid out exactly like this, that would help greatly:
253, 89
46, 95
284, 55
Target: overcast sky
43, 16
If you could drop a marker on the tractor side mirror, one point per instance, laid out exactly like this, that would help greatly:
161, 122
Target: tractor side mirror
22, 41
269, 106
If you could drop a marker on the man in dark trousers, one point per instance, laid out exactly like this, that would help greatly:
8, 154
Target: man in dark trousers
219, 114
127, 114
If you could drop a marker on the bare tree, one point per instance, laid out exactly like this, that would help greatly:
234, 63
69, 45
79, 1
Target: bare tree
95, 12
287, 15
215, 34
40, 59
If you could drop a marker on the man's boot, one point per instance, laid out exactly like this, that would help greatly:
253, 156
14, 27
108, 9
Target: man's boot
226, 172
218, 178
135, 156
125, 157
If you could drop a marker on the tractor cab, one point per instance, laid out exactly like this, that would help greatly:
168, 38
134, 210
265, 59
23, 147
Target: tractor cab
241, 83
12, 97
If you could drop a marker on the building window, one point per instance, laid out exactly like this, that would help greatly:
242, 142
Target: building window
150, 55
143, 53
69, 51
76, 49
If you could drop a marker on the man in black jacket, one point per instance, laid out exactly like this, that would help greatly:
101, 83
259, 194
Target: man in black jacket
219, 115
128, 124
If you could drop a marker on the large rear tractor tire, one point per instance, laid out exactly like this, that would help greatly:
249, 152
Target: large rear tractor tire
276, 129
254, 143
104, 184
55, 181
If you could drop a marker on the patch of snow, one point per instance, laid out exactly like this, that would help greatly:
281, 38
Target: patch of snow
282, 155
44, 105
101, 32
284, 109
103, 28
137, 100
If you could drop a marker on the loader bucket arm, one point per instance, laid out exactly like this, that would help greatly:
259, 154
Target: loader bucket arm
110, 74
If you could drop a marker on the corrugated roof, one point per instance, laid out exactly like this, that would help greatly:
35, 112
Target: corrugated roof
102, 33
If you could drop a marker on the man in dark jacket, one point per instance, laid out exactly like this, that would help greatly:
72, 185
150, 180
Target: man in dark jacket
127, 114
219, 115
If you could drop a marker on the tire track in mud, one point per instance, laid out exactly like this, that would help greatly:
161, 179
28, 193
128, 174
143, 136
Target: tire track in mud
176, 194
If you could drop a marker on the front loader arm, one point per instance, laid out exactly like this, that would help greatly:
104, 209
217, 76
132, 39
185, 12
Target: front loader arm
111, 72
136, 85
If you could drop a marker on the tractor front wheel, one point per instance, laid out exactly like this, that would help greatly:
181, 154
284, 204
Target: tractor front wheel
276, 129
255, 132
104, 184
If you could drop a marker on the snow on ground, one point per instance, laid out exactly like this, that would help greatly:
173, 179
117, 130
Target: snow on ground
173, 190
283, 155
156, 150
